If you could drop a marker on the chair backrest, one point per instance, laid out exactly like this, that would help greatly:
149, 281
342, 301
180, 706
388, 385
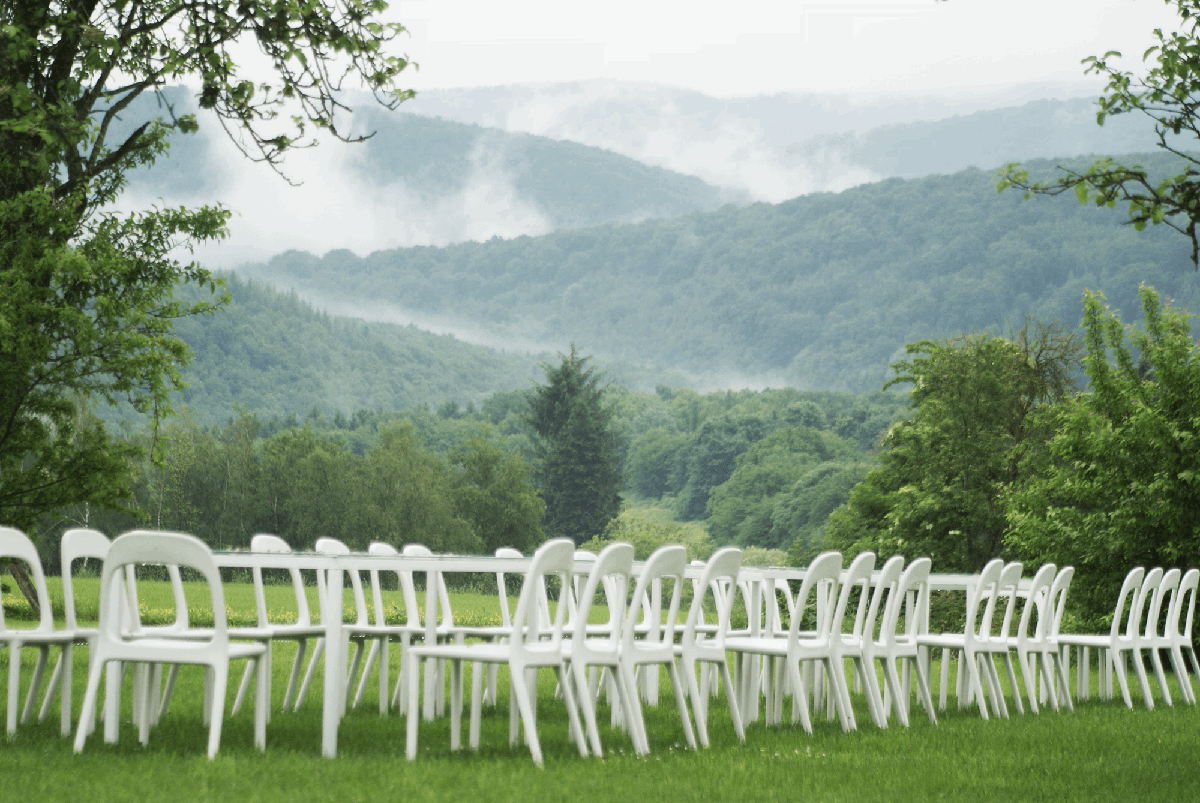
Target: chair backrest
884, 586
1164, 594
1137, 612
15, 544
552, 559
502, 585
1058, 598
857, 575
915, 578
985, 592
1185, 598
720, 574
273, 544
610, 570
155, 547
332, 546
824, 569
1132, 584
1040, 601
1006, 590
408, 591
668, 562
443, 593
78, 544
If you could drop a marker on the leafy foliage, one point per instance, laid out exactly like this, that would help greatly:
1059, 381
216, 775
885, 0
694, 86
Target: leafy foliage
1167, 94
980, 409
1120, 485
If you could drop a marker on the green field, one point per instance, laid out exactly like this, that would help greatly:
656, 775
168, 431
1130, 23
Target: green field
1101, 751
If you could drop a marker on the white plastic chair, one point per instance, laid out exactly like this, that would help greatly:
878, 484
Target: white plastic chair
76, 544
912, 596
1111, 648
1150, 638
860, 643
609, 576
1030, 642
15, 545
967, 643
655, 647
706, 645
531, 647
994, 640
300, 631
115, 643
382, 633
823, 571
1176, 639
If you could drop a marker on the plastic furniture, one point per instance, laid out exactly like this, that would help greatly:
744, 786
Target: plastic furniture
967, 643
15, 545
823, 571
895, 645
609, 576
213, 651
706, 645
530, 648
1113, 646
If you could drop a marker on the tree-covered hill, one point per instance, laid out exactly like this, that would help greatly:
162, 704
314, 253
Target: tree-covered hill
821, 291
985, 139
276, 356
431, 161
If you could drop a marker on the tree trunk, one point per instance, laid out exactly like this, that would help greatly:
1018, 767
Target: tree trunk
17, 569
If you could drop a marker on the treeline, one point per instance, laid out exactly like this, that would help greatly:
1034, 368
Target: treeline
821, 291
758, 467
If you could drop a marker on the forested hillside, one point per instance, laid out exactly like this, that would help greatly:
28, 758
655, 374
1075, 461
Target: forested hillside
984, 139
820, 292
275, 355
562, 184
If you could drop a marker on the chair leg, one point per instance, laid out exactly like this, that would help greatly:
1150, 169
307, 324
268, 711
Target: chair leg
220, 678
39, 671
574, 728
318, 649
893, 683
1160, 675
477, 680
456, 703
368, 665
412, 673
294, 676
587, 702
87, 718
681, 704
525, 706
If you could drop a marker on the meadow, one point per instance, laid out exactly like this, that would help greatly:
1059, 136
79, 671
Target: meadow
1101, 751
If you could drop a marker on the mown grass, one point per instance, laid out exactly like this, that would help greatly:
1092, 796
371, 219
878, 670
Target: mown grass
1101, 751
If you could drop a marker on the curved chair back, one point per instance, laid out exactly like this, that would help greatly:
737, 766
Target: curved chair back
552, 559
915, 578
1040, 600
273, 544
720, 573
1185, 597
155, 547
443, 593
668, 562
332, 546
408, 590
884, 585
1150, 582
825, 568
610, 569
1131, 587
1058, 598
858, 574
502, 585
15, 544
78, 544
1006, 589
1166, 592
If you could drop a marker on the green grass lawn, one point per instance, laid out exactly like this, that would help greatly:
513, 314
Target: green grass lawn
1101, 751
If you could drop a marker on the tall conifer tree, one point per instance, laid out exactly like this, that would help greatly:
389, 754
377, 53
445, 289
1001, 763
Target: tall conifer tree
578, 475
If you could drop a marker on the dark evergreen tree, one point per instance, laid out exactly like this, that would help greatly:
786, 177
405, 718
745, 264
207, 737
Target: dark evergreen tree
578, 451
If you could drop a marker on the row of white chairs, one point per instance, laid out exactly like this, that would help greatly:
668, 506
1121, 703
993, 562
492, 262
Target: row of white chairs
798, 661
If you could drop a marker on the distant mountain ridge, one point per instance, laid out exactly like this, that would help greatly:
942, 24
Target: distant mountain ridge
819, 292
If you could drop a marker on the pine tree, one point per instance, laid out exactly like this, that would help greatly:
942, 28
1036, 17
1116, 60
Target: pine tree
578, 473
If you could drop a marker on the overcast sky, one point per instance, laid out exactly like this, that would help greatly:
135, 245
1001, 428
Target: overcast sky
748, 47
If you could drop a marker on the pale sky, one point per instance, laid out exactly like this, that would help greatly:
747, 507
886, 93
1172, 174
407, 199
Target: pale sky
763, 46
